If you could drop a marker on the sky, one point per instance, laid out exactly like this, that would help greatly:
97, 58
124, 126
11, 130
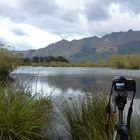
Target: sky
33, 24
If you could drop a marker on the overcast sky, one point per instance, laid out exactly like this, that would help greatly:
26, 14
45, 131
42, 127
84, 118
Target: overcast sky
30, 24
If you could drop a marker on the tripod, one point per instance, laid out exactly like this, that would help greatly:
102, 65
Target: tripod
121, 131
122, 86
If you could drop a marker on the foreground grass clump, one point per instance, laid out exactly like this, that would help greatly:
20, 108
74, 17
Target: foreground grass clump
85, 117
22, 115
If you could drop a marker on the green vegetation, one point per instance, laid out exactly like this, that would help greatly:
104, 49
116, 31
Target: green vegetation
118, 61
8, 62
22, 116
125, 61
135, 130
84, 118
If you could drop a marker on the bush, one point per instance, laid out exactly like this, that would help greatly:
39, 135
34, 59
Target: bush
22, 116
8, 62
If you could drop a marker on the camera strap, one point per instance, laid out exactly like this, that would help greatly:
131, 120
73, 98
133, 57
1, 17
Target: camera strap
107, 120
107, 114
130, 113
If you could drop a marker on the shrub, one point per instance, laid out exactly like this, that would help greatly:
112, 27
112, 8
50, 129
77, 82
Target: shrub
8, 62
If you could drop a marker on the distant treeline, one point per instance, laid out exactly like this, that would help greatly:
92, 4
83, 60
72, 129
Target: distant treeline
37, 59
131, 61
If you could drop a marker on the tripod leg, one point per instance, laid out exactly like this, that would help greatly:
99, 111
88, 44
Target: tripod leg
115, 135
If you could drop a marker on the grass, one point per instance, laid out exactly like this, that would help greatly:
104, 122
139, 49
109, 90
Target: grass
84, 118
135, 128
22, 115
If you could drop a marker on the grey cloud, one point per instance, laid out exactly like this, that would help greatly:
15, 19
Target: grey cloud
39, 7
69, 16
18, 31
47, 15
48, 8
27, 9
10, 12
97, 11
129, 5
53, 24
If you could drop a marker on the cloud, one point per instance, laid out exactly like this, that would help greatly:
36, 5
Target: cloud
40, 22
129, 6
18, 31
97, 10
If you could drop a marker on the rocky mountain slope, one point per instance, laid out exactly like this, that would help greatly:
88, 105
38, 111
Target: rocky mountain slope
92, 47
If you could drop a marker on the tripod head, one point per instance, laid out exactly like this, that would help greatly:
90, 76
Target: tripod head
121, 100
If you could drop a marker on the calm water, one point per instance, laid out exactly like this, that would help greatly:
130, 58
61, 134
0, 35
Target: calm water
65, 82
57, 81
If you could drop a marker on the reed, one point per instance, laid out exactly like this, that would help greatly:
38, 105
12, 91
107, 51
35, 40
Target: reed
84, 118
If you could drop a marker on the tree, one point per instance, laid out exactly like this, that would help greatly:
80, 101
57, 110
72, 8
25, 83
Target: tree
61, 59
35, 59
8, 62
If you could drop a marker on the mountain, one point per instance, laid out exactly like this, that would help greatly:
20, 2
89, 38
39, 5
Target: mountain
92, 48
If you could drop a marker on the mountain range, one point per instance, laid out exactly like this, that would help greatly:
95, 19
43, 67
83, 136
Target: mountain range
92, 48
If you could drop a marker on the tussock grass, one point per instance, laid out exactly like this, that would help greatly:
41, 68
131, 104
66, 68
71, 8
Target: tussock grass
135, 128
22, 115
85, 117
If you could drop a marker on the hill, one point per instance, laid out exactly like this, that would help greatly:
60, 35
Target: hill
92, 48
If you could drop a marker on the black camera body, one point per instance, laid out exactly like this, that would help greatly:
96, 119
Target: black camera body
124, 84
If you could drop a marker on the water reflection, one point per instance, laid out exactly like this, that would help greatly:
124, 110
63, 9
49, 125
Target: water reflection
66, 80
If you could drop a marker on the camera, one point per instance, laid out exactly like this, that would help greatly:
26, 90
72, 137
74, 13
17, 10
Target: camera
124, 84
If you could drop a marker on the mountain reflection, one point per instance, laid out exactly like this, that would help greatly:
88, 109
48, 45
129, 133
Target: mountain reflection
62, 81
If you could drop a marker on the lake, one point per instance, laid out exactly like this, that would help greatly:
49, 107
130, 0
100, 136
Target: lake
71, 82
